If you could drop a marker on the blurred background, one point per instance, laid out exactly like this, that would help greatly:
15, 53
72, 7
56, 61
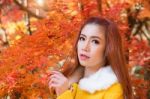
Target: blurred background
36, 36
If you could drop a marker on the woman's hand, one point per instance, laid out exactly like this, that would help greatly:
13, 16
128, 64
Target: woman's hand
59, 82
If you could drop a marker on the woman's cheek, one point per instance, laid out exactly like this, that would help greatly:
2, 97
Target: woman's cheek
97, 52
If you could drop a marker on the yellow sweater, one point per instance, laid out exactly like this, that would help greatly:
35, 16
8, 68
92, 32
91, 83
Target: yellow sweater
113, 92
101, 85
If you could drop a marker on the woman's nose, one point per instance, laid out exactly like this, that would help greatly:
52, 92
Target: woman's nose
86, 46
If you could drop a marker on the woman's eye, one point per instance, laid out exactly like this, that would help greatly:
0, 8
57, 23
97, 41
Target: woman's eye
81, 38
95, 41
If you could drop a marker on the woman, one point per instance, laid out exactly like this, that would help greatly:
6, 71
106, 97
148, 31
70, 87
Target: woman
99, 52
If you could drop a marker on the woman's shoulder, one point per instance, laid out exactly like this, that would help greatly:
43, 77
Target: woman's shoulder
116, 87
115, 91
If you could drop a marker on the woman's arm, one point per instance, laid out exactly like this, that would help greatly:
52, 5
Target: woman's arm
61, 83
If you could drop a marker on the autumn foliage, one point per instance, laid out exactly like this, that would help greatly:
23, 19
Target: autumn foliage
26, 64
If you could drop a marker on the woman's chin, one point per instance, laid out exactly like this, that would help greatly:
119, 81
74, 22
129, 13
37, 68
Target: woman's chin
84, 64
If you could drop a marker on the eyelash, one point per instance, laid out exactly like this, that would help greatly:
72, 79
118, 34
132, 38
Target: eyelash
81, 38
95, 41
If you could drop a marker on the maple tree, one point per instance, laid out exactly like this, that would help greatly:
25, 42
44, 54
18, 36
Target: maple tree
31, 57
25, 65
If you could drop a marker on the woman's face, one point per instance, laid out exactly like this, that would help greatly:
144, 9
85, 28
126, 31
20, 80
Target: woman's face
91, 46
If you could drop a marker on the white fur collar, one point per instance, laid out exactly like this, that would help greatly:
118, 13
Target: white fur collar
100, 80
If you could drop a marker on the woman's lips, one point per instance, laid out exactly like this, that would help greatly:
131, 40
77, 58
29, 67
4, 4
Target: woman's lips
84, 57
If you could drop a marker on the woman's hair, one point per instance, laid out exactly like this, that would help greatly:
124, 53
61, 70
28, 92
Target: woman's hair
113, 52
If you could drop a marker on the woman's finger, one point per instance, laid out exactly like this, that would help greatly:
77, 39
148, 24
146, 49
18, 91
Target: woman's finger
54, 76
57, 78
56, 72
53, 85
54, 80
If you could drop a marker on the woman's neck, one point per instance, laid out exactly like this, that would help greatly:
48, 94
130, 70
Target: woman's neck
89, 71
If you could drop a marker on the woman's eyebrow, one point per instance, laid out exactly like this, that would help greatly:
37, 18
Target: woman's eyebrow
96, 37
83, 35
92, 36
